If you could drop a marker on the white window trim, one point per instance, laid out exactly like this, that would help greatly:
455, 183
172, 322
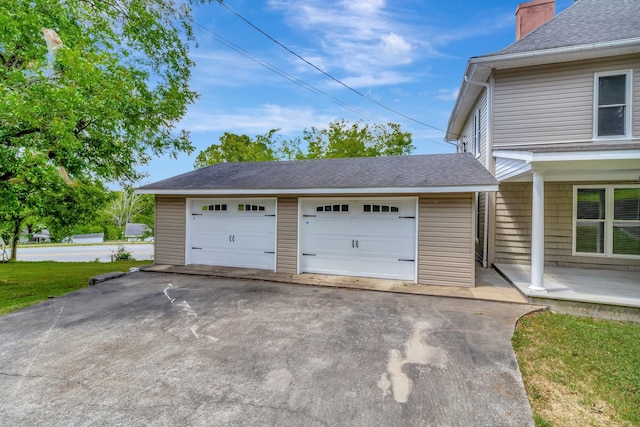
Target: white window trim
476, 133
628, 125
608, 221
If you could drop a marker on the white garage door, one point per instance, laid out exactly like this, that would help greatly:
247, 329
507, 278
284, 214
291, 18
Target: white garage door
364, 237
232, 232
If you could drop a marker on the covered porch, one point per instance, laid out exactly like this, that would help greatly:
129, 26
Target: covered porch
591, 166
580, 291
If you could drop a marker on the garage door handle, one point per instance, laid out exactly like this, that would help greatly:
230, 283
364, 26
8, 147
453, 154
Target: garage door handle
196, 214
195, 248
232, 238
308, 254
410, 217
308, 216
357, 244
268, 252
353, 243
408, 260
271, 215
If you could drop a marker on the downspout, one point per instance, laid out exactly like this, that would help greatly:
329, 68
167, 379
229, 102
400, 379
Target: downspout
485, 248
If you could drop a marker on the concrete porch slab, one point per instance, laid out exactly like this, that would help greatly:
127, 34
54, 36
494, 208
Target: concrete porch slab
599, 293
490, 286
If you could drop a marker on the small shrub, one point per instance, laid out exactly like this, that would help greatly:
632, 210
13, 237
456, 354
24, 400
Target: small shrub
121, 254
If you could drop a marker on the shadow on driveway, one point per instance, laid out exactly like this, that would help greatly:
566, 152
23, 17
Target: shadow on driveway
167, 349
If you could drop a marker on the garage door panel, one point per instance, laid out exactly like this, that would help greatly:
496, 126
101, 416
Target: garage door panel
383, 227
328, 264
233, 233
328, 244
324, 224
380, 248
374, 238
386, 268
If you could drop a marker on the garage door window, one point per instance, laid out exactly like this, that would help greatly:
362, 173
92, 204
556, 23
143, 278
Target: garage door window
380, 208
332, 208
250, 208
218, 207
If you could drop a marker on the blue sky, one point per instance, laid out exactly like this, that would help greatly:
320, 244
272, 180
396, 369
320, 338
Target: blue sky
408, 55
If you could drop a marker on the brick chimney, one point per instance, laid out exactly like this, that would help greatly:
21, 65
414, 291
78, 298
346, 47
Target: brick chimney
532, 14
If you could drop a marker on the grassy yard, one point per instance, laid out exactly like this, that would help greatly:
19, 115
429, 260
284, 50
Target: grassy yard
26, 283
580, 372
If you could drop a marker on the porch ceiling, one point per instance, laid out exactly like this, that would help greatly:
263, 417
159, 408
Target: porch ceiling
574, 166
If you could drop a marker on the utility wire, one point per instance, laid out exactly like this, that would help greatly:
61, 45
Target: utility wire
288, 76
223, 4
284, 74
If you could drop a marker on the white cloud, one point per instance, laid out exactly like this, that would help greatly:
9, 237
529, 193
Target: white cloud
289, 119
380, 79
448, 94
362, 38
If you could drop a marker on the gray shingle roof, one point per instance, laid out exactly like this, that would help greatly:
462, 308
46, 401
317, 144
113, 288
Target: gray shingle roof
436, 170
134, 229
583, 23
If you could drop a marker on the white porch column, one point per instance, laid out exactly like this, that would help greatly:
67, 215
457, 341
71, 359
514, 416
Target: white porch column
537, 234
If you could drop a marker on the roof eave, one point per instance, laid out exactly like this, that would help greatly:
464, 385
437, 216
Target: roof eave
469, 188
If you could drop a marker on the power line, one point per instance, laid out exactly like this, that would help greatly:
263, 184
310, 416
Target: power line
229, 44
284, 74
329, 75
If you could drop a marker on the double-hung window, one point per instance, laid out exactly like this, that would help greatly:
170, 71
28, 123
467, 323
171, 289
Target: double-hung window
607, 220
612, 105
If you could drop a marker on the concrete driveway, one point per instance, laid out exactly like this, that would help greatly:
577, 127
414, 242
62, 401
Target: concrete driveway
160, 349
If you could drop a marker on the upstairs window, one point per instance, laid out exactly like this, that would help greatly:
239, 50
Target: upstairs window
612, 109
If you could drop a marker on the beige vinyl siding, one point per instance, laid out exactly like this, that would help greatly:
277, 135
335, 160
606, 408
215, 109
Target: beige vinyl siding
513, 229
287, 245
170, 230
446, 240
553, 104
467, 130
513, 223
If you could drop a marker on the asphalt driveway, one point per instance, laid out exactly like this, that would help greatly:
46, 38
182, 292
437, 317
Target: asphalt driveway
160, 349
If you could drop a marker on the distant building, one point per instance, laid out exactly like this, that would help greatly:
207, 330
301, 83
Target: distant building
43, 236
135, 232
88, 238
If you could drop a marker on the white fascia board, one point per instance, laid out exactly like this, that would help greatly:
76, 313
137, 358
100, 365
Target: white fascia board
530, 157
560, 54
325, 191
464, 101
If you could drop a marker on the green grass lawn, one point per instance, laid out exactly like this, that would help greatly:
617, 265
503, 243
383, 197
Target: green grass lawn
26, 283
580, 371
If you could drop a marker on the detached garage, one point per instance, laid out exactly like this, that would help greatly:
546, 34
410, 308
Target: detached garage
408, 218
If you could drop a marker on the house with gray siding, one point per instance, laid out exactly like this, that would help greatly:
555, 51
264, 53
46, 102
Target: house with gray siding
409, 218
555, 117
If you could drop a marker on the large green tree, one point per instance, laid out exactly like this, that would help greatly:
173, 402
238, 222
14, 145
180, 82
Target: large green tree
343, 139
339, 139
238, 148
90, 90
